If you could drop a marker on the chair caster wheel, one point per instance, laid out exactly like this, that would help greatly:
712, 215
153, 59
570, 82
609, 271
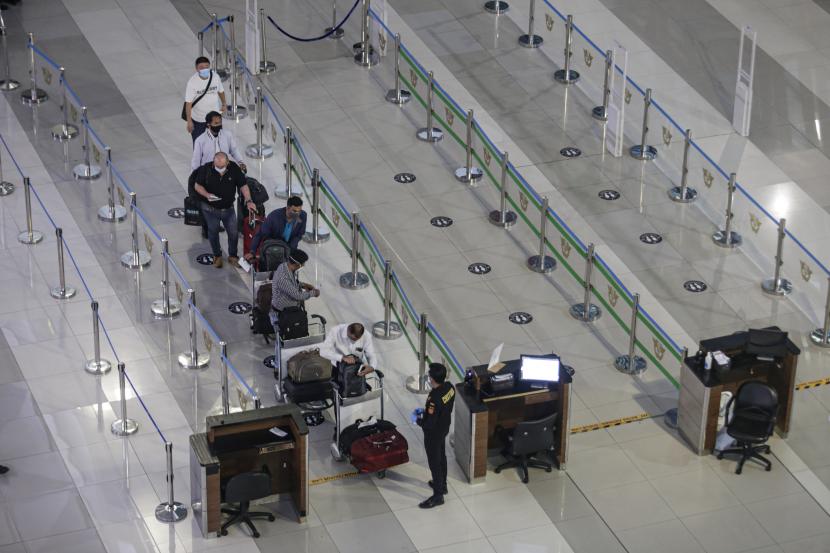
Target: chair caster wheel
272, 518
738, 471
498, 470
223, 532
768, 469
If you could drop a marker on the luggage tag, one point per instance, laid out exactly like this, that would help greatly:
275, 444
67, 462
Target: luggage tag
244, 265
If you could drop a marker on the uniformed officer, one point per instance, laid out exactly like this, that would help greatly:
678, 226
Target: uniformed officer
435, 421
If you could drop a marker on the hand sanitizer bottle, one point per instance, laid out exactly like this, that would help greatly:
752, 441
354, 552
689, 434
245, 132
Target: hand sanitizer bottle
707, 363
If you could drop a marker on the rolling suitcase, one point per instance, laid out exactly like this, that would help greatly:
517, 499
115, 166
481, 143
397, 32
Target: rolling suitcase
303, 393
380, 451
249, 229
359, 430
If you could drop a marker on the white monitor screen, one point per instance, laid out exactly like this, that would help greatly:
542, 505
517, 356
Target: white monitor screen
545, 369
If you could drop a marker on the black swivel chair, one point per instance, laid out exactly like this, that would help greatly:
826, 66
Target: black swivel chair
244, 488
526, 440
751, 422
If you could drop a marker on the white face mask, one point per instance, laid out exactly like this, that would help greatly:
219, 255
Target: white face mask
221, 170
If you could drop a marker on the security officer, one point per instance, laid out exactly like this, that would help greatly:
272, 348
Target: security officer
435, 421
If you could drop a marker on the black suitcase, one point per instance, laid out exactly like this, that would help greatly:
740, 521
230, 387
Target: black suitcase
309, 392
192, 212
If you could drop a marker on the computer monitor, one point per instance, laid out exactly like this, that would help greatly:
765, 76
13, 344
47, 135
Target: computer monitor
540, 368
767, 343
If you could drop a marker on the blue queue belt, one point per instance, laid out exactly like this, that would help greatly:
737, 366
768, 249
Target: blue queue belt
321, 37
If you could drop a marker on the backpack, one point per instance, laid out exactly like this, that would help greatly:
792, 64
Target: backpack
350, 383
309, 366
259, 195
271, 254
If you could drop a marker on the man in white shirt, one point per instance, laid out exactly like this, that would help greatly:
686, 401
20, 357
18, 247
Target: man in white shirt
204, 93
350, 344
214, 140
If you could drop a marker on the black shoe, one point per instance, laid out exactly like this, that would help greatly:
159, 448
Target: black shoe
433, 501
4, 469
431, 485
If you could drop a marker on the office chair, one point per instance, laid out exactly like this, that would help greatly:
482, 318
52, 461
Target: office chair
526, 440
751, 421
244, 488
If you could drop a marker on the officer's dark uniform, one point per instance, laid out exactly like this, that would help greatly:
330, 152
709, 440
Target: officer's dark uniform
436, 425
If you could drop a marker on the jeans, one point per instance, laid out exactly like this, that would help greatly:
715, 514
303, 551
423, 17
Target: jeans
226, 216
198, 130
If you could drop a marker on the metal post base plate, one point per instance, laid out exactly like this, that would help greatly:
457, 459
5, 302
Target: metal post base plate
354, 281
171, 513
323, 236
186, 360
530, 41
281, 191
159, 312
780, 288
496, 7
720, 239
676, 195
30, 238
11, 84
371, 60
30, 99
86, 172
630, 365
819, 338
6, 188
63, 133
114, 215
337, 34
544, 264
379, 330
475, 174
412, 385
120, 428
236, 113
392, 97
508, 221
577, 311
102, 366
437, 135
254, 152
129, 260
571, 78
600, 113
643, 154
62, 293
267, 67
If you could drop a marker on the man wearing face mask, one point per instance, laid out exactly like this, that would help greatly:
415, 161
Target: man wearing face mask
217, 184
204, 93
286, 224
215, 139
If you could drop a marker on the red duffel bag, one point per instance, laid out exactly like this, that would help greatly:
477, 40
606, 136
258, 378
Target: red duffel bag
378, 452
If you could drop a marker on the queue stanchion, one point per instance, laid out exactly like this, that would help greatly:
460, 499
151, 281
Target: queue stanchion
97, 365
123, 426
266, 67
387, 329
165, 308
7, 84
111, 212
586, 311
821, 336
86, 170
223, 357
683, 194
64, 131
288, 141
234, 112
542, 263
34, 95
170, 510
600, 113
318, 233
398, 95
496, 7
468, 173
430, 133
643, 151
366, 57
728, 238
200, 44
135, 258
631, 363
354, 279
417, 383
503, 217
334, 31
217, 51
61, 291
259, 150
6, 187
531, 40
192, 359
778, 285
567, 75
29, 236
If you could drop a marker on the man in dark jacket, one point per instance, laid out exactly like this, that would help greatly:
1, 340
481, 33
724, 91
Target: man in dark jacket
286, 224
435, 421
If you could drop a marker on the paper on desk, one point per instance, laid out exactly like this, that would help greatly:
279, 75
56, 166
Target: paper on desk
278, 432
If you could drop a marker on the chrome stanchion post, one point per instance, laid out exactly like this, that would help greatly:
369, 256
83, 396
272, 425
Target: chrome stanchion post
468, 173
64, 131
234, 111
123, 426
354, 280
387, 329
600, 113
335, 31
587, 311
643, 151
135, 258
165, 308
221, 70
821, 336
683, 194
567, 75
29, 236
288, 141
530, 40
8, 83
259, 150
318, 233
430, 133
111, 212
223, 357
171, 510
502, 216
34, 95
728, 238
193, 359
96, 365
417, 383
200, 44
6, 187
631, 363
398, 95
542, 263
496, 7
366, 57
777, 285
86, 170
61, 292
265, 66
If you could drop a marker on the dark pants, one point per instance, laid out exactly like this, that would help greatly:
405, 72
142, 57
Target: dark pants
198, 130
436, 448
228, 217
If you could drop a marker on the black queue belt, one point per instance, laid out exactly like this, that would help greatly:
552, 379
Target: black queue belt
327, 34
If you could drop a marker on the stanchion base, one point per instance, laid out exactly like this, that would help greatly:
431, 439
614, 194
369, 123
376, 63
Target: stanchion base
600, 113
63, 133
475, 175
412, 384
577, 311
643, 154
369, 61
237, 113
171, 512
630, 365
337, 34
267, 67
255, 152
6, 188
7, 86
496, 7
544, 264
281, 192
530, 41
186, 360
30, 99
437, 135
102, 366
819, 338
571, 78
676, 195
159, 312
120, 428
86, 172
379, 330
62, 293
507, 221
771, 287
129, 260
116, 214
392, 97
720, 239
670, 417
26, 237
323, 236
354, 281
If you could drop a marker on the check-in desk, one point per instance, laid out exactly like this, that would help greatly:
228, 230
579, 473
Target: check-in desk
477, 414
700, 390
242, 442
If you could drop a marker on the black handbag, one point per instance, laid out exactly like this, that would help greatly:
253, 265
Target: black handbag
196, 101
293, 323
192, 212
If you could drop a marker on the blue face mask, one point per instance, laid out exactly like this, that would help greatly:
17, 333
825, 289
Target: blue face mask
204, 73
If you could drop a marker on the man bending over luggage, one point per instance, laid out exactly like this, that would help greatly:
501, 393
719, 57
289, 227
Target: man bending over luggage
287, 292
435, 421
286, 224
349, 344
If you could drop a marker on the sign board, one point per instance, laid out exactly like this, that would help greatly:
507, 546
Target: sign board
616, 103
742, 110
252, 38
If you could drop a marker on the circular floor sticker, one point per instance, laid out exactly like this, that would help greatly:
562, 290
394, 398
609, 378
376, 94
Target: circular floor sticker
479, 268
609, 195
571, 151
441, 221
650, 238
269, 362
176, 212
695, 286
205, 259
240, 307
520, 318
404, 178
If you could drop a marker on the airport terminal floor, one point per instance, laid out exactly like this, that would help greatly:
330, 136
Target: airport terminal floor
606, 219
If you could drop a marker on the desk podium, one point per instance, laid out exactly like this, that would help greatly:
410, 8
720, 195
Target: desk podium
243, 442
